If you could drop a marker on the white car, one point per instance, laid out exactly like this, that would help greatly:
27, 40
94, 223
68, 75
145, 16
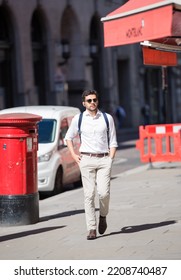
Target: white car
56, 166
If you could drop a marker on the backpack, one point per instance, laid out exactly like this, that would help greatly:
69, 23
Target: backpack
105, 118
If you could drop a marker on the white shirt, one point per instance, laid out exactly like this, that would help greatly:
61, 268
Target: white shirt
93, 133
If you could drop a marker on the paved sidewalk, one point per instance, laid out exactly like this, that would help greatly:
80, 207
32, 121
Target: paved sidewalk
144, 222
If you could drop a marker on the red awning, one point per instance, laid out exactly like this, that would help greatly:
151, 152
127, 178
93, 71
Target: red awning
140, 20
159, 58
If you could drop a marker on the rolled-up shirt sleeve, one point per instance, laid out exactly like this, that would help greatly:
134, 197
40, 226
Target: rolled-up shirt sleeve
73, 129
112, 133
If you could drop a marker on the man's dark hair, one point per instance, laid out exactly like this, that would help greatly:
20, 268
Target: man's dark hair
88, 92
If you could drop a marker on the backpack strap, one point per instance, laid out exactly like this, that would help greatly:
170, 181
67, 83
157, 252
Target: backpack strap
79, 124
107, 123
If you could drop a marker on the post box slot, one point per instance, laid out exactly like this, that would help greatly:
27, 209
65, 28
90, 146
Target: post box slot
32, 131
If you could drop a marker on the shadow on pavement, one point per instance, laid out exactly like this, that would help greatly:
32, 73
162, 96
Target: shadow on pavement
137, 228
27, 233
61, 215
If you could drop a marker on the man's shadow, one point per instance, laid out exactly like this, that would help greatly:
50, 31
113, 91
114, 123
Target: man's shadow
137, 228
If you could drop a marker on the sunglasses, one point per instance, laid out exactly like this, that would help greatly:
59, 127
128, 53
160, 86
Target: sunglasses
91, 100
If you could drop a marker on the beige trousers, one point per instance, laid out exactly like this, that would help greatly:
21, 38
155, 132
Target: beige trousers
95, 172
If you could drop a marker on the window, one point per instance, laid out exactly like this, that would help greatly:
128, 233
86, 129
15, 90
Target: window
47, 130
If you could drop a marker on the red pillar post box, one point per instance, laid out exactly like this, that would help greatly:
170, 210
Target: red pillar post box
19, 197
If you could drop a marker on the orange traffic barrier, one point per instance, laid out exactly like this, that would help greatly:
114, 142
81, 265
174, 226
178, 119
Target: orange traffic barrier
159, 143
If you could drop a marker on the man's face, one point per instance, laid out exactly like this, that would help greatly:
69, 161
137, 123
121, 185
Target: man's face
91, 102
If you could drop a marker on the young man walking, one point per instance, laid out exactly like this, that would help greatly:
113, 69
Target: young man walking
97, 151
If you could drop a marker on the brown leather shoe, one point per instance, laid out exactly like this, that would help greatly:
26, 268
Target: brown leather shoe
91, 235
102, 224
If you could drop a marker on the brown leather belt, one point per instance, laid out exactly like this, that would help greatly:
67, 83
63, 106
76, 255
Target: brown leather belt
95, 155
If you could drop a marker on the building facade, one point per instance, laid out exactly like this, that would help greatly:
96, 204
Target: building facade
50, 51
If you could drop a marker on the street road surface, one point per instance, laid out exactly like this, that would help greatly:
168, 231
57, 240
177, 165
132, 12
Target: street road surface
127, 157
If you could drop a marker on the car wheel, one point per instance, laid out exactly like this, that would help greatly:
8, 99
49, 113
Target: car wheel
78, 183
58, 186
